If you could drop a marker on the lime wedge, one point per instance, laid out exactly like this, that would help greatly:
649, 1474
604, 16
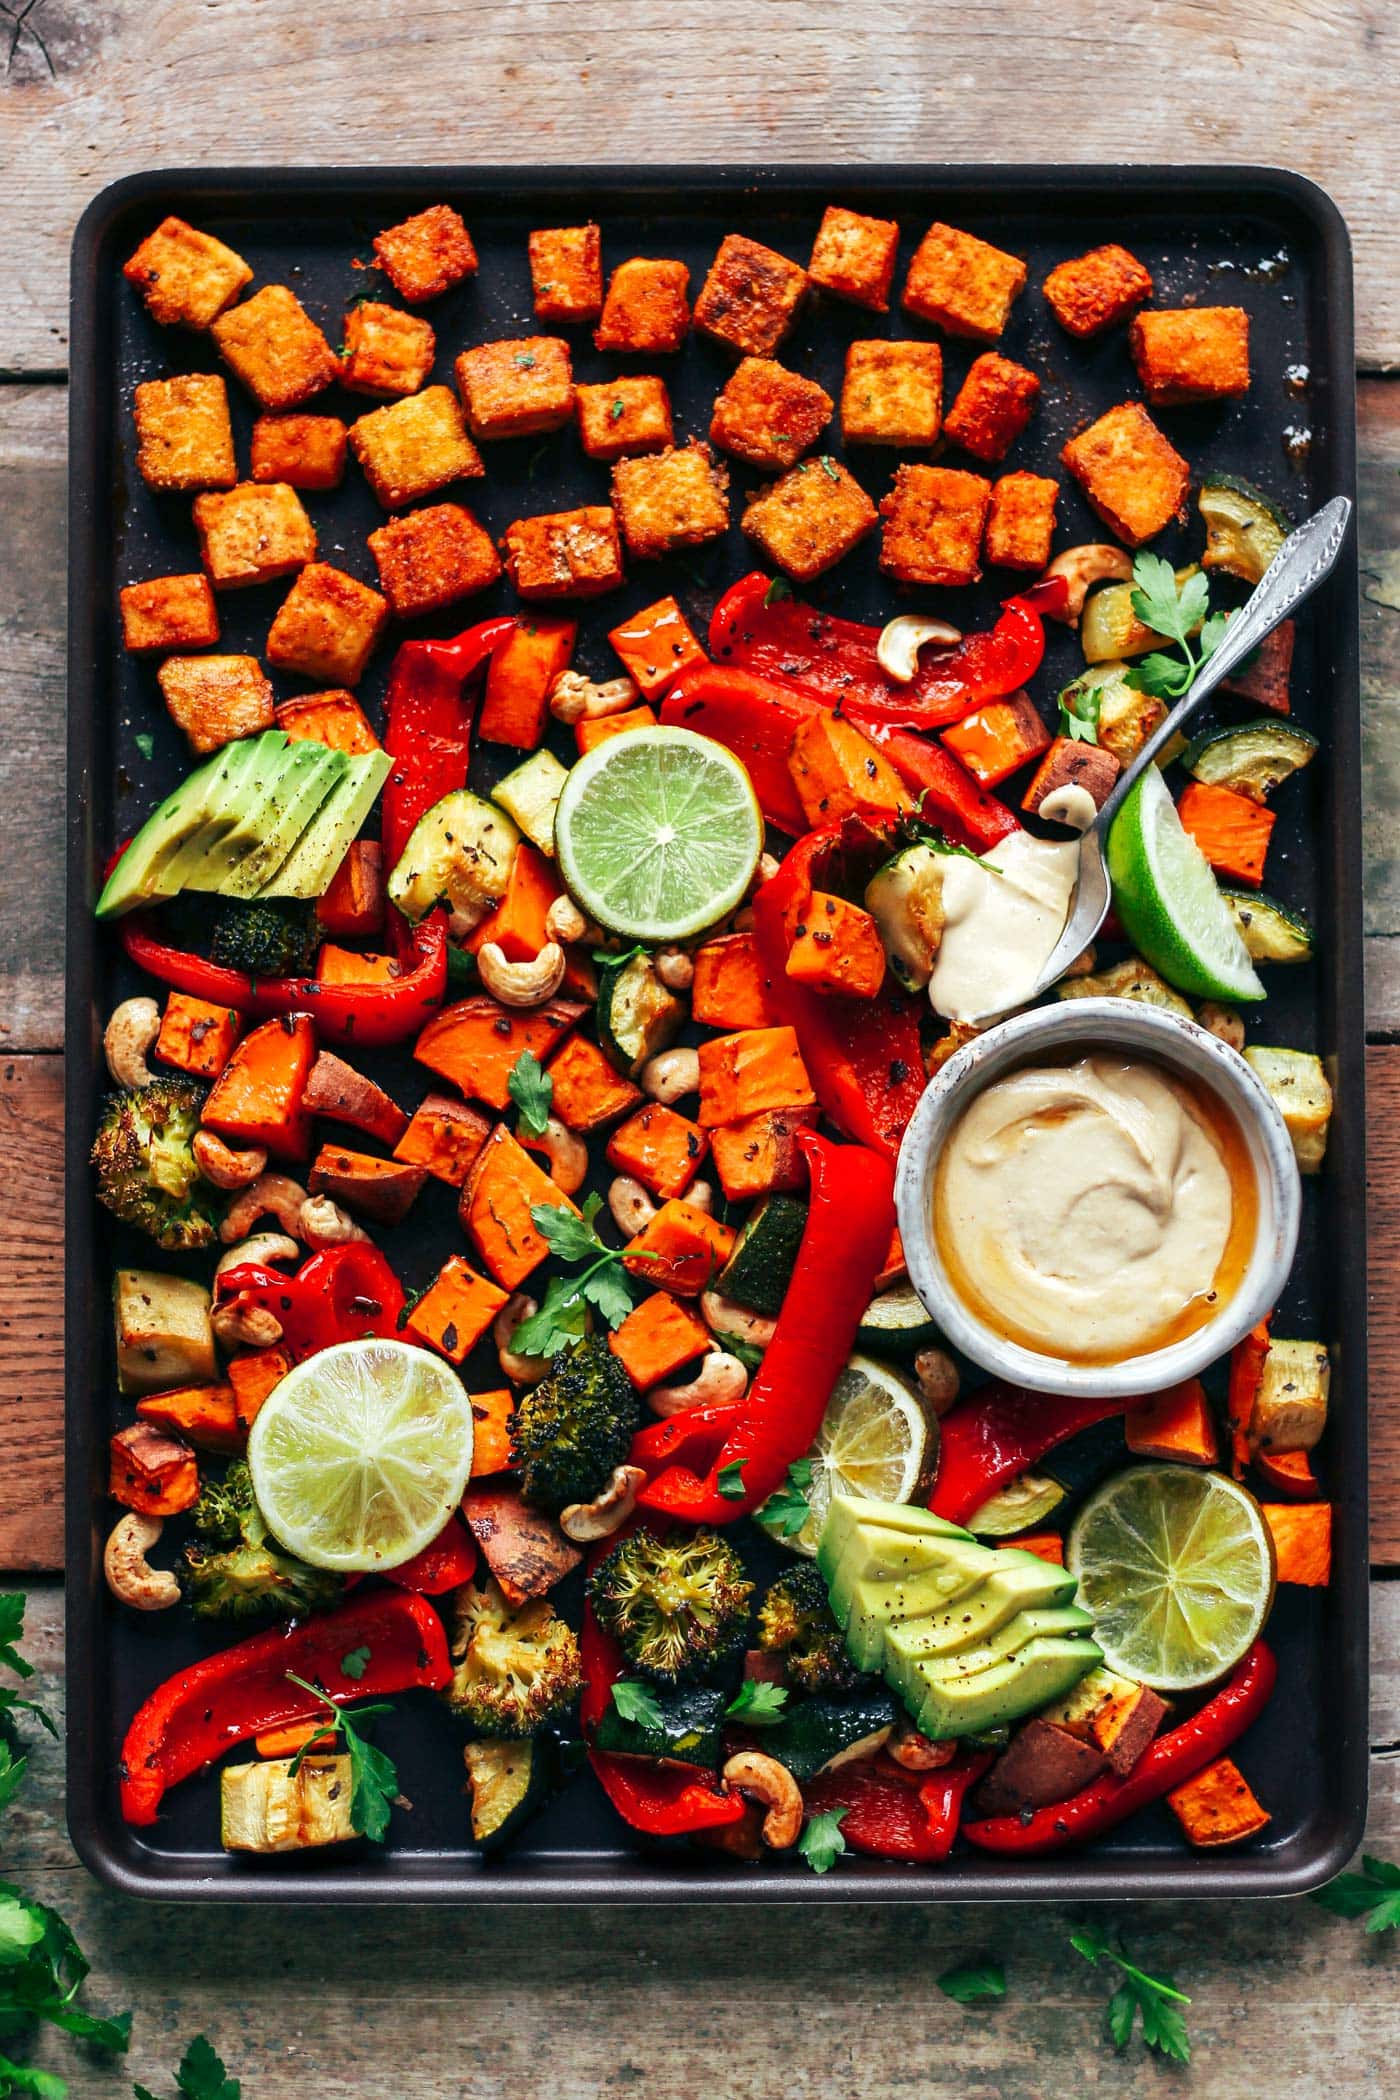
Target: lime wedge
876, 1441
657, 833
1167, 898
1177, 1568
361, 1454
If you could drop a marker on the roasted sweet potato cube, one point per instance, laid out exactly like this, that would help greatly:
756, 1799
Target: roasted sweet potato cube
965, 285
343, 1095
589, 1091
456, 1309
660, 1148
1091, 292
1115, 1714
186, 278
253, 534
307, 452
336, 720
752, 1070
518, 923
1041, 1764
152, 1471
432, 558
565, 553
519, 680
475, 1043
1021, 521
810, 518
853, 257
839, 773
892, 393
728, 989
169, 612
444, 1136
933, 525
993, 406
1191, 353
524, 1551
646, 307
1176, 1425
497, 1198
589, 734
353, 902
275, 348
760, 1153
204, 1415
424, 256
768, 415
253, 1378
1302, 1535
1132, 476
257, 1098
381, 1189
1231, 830
184, 435
1045, 1545
1071, 764
516, 388
1265, 681
387, 352
624, 416
836, 947
327, 626
413, 448
750, 297
997, 740
566, 272
1218, 1806
658, 1338
216, 699
656, 645
682, 1250
669, 500
197, 1036
492, 1423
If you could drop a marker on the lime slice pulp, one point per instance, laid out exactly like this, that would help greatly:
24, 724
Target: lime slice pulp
1167, 898
876, 1441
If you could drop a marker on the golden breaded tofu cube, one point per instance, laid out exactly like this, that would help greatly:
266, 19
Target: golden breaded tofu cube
275, 348
1131, 475
185, 438
967, 286
565, 553
186, 278
933, 525
307, 452
768, 415
169, 612
853, 257
811, 518
624, 416
387, 352
751, 296
646, 307
892, 394
413, 448
253, 534
1191, 353
994, 404
215, 699
1021, 521
327, 626
669, 500
1091, 292
566, 273
433, 557
424, 256
515, 389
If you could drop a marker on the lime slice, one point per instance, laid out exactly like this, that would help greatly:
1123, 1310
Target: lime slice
1177, 1568
658, 833
1167, 898
876, 1441
361, 1454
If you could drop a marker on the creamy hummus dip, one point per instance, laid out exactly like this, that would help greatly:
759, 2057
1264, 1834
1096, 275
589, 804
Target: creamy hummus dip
1003, 913
1096, 1210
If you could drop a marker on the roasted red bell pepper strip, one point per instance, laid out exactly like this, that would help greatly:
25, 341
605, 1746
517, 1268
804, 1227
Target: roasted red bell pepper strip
892, 1814
1171, 1760
244, 1690
445, 1565
428, 726
947, 795
850, 1216
689, 1438
996, 1433
339, 1295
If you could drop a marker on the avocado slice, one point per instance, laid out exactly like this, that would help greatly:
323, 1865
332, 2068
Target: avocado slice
314, 858
1045, 1668
978, 1616
1020, 1630
142, 873
238, 803
312, 773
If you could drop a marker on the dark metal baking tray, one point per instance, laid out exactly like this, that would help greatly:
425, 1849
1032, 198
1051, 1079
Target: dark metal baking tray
1257, 237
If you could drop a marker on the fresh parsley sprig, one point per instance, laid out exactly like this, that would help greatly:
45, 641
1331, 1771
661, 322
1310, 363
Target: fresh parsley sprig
1373, 1894
532, 1091
637, 1703
821, 1843
602, 1283
1176, 610
757, 1703
1156, 1998
972, 1980
787, 1508
1080, 706
374, 1779
201, 2075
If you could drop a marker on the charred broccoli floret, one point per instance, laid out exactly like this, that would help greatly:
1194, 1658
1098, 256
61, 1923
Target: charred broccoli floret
252, 1576
677, 1607
796, 1621
146, 1171
268, 938
574, 1427
227, 1511
514, 1667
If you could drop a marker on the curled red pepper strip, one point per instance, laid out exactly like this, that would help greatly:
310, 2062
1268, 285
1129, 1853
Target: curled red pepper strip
444, 1565
243, 1691
428, 726
338, 1295
999, 1431
850, 1217
890, 1813
690, 1438
1169, 1762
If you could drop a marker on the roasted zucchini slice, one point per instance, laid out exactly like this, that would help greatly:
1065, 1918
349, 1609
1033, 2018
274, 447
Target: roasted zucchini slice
1126, 718
818, 1733
1252, 759
1023, 1503
268, 1807
896, 1324
905, 899
759, 1270
506, 1782
1270, 932
637, 1016
530, 795
458, 853
1111, 629
687, 1728
1244, 527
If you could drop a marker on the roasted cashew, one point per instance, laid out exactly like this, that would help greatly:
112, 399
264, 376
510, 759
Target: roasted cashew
938, 1379
574, 698
521, 983
768, 865
671, 1075
722, 1316
520, 1370
1222, 1021
1083, 964
264, 1248
130, 1576
675, 968
564, 921
701, 1196
322, 1223
1082, 566
245, 1326
742, 921
901, 639
270, 1196
920, 1753
772, 1784
566, 1152
224, 1167
721, 1378
631, 1206
126, 1039
599, 1519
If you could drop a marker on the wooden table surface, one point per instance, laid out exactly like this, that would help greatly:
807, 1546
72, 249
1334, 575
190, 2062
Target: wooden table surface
406, 2004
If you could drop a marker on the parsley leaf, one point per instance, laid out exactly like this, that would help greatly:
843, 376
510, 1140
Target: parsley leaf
532, 1091
561, 1321
616, 410
23, 2078
20, 1928
563, 1316
730, 1481
607, 1290
1156, 1998
778, 588
1177, 611
374, 1779
636, 1702
1373, 1894
145, 744
202, 2075
757, 1703
12, 1630
787, 1508
972, 1980
525, 360
821, 1843
355, 1663
567, 1235
748, 1353
1080, 705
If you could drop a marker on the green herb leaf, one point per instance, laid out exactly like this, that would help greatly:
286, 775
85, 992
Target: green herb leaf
1373, 1894
374, 1780
21, 1928
525, 360
532, 1091
145, 744
757, 1703
972, 1980
202, 2076
1163, 677
1080, 705
12, 1771
561, 1321
12, 1630
607, 1290
636, 1702
730, 1481
821, 1843
355, 1663
778, 588
44, 2085
748, 1353
829, 467
615, 410
570, 1237
1172, 610
1156, 1998
787, 1508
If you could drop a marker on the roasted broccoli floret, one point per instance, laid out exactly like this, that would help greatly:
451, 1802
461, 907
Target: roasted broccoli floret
146, 1171
514, 1667
795, 1620
574, 1427
227, 1512
252, 1576
272, 938
677, 1607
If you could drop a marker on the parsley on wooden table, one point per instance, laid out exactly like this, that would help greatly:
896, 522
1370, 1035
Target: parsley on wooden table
1173, 610
1155, 1998
757, 1703
201, 2075
374, 1779
532, 1091
972, 1980
1373, 1894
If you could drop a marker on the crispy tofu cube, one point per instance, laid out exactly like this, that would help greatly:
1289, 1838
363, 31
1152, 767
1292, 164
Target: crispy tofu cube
275, 348
566, 273
565, 553
624, 416
185, 438
646, 308
674, 499
1068, 763
751, 296
413, 448
768, 415
965, 285
186, 278
933, 525
169, 612
1021, 521
513, 389
1191, 353
994, 404
1091, 292
433, 557
1290, 1404
853, 257
307, 452
215, 699
1303, 1093
327, 626
424, 256
253, 534
811, 518
387, 352
892, 393
1218, 1806
1132, 476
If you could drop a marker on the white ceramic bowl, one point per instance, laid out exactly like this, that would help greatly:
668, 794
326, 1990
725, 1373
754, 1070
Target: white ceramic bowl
1085, 1025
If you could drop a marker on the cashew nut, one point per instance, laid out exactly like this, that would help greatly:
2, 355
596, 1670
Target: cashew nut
574, 698
1083, 964
566, 1153
322, 1223
564, 921
701, 1196
938, 1378
520, 1370
1083, 566
675, 968
901, 639
742, 921
270, 1196
126, 1039
224, 1167
722, 1316
631, 1206
671, 1075
721, 1378
245, 1326
521, 983
599, 1519
920, 1753
772, 1784
130, 1576
768, 865
1222, 1021
264, 1248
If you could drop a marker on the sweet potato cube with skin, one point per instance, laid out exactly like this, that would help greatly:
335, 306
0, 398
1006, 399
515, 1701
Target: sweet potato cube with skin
424, 256
1232, 831
853, 257
1265, 680
184, 433
387, 353
1302, 1534
253, 533
444, 1136
152, 1471
1218, 1806
838, 773
658, 1338
492, 1422
1042, 1764
169, 612
965, 285
272, 344
993, 406
646, 307
1115, 1714
343, 1095
760, 1154
186, 278
670, 500
1021, 521
728, 990
519, 679
750, 297
327, 627
589, 1091
334, 719
1191, 353
1290, 1404
624, 416
415, 447
588, 735
753, 1070
495, 1210
380, 1189
1174, 1425
660, 1148
566, 272
811, 518
197, 1037
837, 948
307, 452
768, 415
892, 394
1068, 763
1091, 292
259, 1097
656, 645
204, 1415
474, 1044
565, 553
682, 1250
1131, 475
525, 1552
998, 739
933, 525
455, 1311
432, 558
516, 388
216, 699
